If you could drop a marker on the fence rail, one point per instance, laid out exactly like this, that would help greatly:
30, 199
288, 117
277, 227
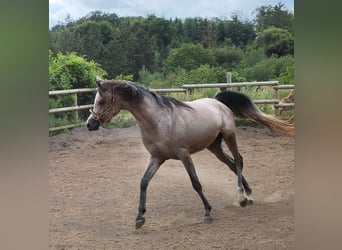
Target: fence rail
185, 89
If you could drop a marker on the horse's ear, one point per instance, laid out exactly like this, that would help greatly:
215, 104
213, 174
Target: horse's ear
98, 81
101, 84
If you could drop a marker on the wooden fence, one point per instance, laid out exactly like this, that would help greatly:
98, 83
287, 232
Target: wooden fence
185, 89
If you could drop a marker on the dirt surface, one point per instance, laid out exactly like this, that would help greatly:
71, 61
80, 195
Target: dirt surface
94, 191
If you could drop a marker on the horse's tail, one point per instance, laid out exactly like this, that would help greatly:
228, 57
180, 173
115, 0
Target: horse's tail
243, 107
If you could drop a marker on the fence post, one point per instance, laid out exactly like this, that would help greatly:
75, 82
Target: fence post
186, 94
276, 96
229, 79
75, 104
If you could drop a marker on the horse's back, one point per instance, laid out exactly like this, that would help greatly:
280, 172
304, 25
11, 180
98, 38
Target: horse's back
205, 105
214, 110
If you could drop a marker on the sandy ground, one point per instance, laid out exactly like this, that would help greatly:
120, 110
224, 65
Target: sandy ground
94, 188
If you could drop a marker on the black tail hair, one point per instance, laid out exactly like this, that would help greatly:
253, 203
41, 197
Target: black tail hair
243, 107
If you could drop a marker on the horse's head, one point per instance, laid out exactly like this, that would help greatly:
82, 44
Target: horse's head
105, 105
109, 100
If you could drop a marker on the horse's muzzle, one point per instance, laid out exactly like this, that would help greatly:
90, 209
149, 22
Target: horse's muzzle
93, 124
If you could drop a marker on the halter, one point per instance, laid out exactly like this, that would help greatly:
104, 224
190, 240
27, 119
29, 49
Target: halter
97, 117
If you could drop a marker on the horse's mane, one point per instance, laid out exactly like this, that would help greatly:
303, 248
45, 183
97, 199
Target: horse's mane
167, 101
137, 94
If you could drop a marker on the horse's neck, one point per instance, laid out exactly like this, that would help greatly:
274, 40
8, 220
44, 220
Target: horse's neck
147, 113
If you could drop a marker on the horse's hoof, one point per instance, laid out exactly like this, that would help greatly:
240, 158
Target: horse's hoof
250, 201
139, 223
243, 202
207, 219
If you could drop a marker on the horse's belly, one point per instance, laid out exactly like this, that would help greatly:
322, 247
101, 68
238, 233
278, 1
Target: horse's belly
171, 148
199, 144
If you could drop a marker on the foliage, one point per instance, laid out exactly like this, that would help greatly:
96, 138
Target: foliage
268, 69
253, 56
124, 77
206, 74
276, 41
124, 45
240, 33
70, 71
189, 56
228, 57
237, 78
175, 78
287, 76
236, 31
276, 16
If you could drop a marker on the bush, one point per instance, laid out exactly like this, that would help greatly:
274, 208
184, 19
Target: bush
268, 69
253, 56
146, 77
189, 56
276, 41
206, 74
70, 71
228, 57
287, 76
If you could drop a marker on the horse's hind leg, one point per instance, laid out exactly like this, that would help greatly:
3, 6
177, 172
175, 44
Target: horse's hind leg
217, 150
230, 140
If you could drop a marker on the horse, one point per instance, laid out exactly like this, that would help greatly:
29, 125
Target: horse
173, 129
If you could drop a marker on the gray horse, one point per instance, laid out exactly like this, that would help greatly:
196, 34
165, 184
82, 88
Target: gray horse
171, 129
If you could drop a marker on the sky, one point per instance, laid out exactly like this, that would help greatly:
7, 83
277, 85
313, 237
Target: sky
60, 9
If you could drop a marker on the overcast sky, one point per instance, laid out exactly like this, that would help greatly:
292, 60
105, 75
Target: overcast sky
60, 9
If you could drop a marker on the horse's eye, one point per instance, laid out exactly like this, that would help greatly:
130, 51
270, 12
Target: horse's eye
101, 102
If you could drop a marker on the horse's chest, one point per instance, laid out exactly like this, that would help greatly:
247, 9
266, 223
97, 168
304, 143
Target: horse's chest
164, 146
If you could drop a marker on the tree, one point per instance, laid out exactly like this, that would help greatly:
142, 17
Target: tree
159, 33
239, 32
192, 30
276, 16
138, 49
228, 57
276, 41
99, 16
206, 74
124, 45
189, 56
95, 38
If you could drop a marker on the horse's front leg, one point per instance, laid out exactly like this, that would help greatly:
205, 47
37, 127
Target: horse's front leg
190, 168
152, 168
